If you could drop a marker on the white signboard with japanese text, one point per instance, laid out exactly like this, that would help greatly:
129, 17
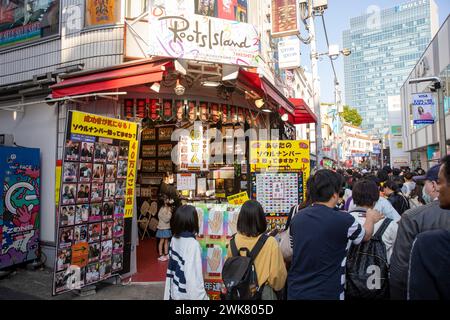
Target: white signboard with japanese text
289, 53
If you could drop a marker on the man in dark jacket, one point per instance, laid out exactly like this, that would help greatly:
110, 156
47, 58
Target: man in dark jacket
430, 264
414, 222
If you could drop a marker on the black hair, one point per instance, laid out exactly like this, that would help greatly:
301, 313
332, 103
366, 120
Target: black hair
185, 220
324, 184
382, 176
349, 171
252, 219
365, 193
394, 186
399, 181
446, 162
396, 171
409, 176
387, 169
374, 179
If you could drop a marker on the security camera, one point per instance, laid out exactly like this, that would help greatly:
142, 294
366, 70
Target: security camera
49, 99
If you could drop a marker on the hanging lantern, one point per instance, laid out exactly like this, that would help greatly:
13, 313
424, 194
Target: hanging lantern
128, 108
225, 114
192, 111
203, 109
154, 112
141, 108
168, 110
214, 112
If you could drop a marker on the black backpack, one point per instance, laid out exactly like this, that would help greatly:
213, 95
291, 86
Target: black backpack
367, 270
239, 273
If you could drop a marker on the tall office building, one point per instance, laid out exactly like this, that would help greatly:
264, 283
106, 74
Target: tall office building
385, 45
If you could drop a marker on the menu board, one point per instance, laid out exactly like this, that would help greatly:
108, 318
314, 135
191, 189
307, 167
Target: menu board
217, 224
97, 195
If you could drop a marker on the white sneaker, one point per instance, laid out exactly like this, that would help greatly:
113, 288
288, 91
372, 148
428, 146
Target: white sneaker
161, 258
167, 257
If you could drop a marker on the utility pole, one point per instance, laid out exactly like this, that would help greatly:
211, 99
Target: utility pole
316, 89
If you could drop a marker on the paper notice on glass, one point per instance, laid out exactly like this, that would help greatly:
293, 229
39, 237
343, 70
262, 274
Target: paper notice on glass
186, 181
201, 186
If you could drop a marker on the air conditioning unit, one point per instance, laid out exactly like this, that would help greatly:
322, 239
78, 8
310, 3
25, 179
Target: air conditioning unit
6, 140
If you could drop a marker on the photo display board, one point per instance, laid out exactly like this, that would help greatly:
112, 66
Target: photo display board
217, 224
277, 192
96, 199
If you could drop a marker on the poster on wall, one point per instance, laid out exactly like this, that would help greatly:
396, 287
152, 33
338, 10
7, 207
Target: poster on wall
100, 12
19, 205
25, 21
201, 34
424, 108
97, 197
217, 224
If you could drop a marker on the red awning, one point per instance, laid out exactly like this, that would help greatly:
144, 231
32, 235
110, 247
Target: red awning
303, 113
263, 87
125, 75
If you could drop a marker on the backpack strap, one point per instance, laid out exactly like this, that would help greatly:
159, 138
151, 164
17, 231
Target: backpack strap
234, 249
258, 246
382, 229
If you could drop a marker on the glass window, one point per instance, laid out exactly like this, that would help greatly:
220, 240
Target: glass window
102, 12
134, 8
25, 21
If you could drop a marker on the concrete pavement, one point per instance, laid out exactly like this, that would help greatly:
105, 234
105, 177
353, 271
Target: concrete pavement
25, 284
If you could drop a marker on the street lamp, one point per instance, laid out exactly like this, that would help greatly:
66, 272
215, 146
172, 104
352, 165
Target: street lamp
437, 86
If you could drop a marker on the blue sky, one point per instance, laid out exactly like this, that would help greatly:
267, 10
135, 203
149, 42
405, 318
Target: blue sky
337, 19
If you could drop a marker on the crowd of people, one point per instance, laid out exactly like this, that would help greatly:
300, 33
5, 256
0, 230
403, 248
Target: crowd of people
360, 234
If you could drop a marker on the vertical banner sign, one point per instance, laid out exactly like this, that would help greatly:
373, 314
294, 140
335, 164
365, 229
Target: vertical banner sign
19, 205
284, 18
424, 109
97, 198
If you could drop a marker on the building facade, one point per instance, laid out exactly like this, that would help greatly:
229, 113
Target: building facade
422, 141
73, 37
385, 45
357, 146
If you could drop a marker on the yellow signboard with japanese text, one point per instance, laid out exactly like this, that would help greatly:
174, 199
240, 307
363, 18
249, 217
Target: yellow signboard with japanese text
238, 199
281, 156
84, 124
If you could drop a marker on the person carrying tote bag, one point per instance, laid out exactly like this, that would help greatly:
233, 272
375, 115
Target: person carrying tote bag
285, 239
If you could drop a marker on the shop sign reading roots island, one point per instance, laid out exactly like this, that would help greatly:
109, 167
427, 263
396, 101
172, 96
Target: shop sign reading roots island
187, 35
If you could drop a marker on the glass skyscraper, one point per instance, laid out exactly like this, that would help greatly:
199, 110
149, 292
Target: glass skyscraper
385, 45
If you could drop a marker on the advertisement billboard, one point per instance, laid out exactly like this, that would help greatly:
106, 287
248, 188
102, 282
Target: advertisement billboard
178, 30
25, 21
96, 201
424, 108
20, 182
